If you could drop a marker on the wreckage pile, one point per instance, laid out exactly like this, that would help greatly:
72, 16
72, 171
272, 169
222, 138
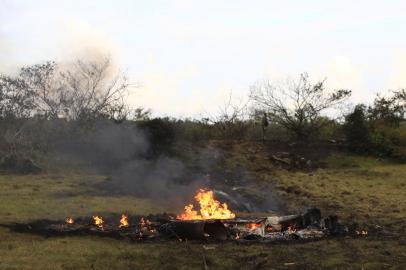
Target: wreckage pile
210, 220
309, 225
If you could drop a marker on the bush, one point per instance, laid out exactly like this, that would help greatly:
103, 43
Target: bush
356, 131
389, 142
368, 135
160, 133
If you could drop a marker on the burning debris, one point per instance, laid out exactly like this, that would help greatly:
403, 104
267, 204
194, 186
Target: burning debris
309, 226
69, 220
210, 208
98, 221
212, 221
124, 221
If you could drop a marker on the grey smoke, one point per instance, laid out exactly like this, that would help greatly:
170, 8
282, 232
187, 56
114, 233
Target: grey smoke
122, 151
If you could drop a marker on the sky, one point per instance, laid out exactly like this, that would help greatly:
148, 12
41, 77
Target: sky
187, 56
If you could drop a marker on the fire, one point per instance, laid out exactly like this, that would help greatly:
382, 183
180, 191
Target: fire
124, 221
252, 226
210, 208
98, 221
69, 220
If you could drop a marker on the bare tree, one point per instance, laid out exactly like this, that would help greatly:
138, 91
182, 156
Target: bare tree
83, 90
16, 100
230, 120
43, 81
297, 104
93, 90
16, 104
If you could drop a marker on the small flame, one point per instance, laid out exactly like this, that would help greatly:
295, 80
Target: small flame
210, 208
124, 221
69, 220
253, 226
98, 221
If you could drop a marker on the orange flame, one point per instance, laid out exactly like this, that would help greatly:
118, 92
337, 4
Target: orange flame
69, 220
210, 208
98, 221
253, 226
124, 221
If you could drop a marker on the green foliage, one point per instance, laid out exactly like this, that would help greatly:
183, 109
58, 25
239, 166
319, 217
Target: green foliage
378, 130
160, 133
388, 141
356, 130
390, 110
196, 131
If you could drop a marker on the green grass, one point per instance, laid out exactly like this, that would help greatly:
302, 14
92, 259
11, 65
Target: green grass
361, 189
31, 197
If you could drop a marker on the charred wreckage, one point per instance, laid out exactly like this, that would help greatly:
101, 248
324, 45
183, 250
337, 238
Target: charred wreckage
213, 221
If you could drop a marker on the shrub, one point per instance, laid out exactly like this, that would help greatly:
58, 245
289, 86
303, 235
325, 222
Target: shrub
356, 130
160, 133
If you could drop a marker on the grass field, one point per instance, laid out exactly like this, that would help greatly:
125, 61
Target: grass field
364, 190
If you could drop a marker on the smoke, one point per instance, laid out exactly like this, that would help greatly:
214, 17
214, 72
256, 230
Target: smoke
123, 151
163, 179
127, 153
87, 43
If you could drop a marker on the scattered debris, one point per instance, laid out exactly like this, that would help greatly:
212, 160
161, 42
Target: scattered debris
307, 226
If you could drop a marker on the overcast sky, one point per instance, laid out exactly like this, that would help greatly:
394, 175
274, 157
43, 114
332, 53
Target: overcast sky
187, 55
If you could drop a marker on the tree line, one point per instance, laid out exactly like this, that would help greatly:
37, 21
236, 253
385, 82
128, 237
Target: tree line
45, 102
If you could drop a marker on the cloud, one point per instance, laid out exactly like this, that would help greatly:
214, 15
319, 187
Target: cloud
168, 91
342, 73
177, 93
398, 79
83, 41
